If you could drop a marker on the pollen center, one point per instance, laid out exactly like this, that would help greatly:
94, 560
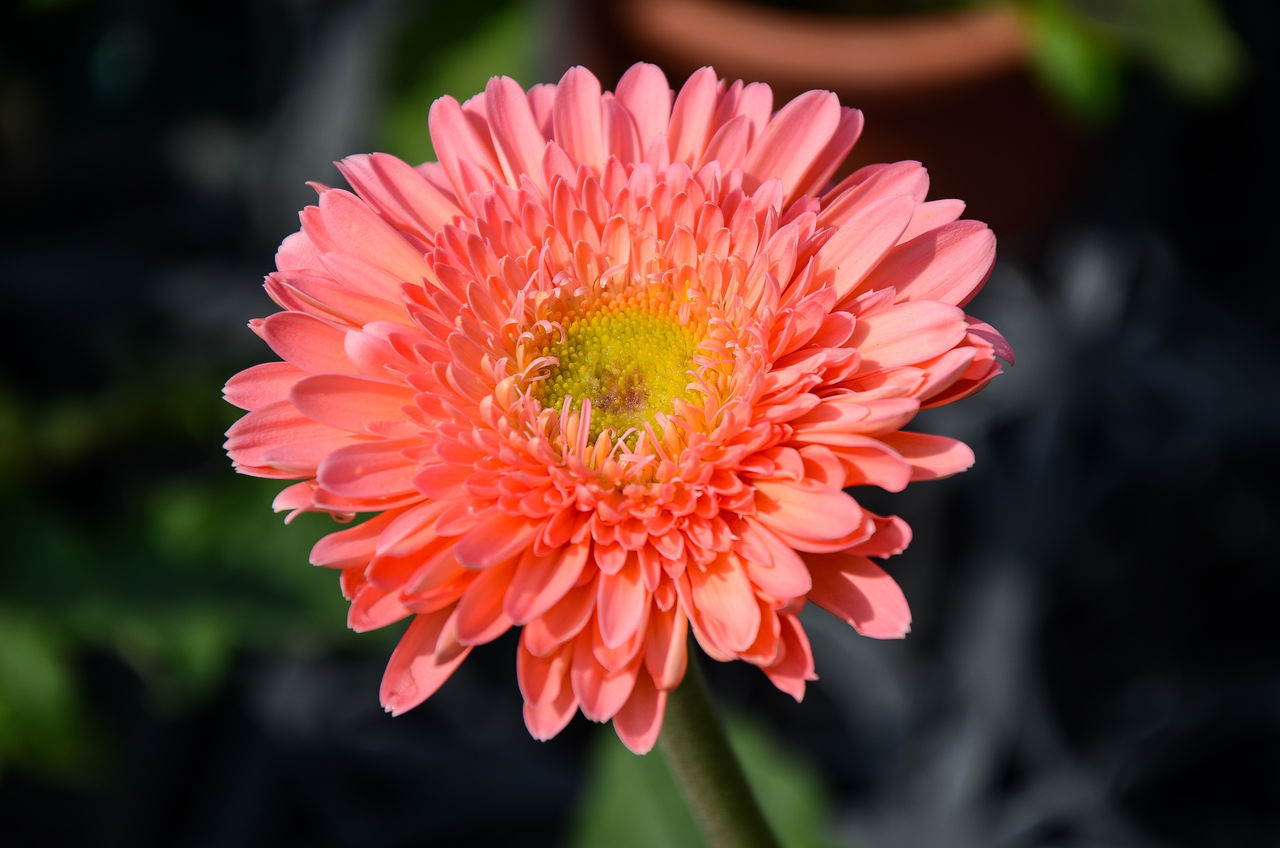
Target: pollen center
629, 362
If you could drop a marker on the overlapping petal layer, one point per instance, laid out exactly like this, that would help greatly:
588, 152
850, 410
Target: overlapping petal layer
427, 313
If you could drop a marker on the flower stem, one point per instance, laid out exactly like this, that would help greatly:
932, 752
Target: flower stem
697, 751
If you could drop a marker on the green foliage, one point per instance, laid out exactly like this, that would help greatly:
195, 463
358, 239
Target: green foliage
1080, 49
172, 570
486, 38
633, 802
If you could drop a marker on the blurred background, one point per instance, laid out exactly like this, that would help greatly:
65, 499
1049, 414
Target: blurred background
1094, 660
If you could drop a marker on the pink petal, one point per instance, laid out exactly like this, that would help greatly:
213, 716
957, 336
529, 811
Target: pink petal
645, 93
368, 470
414, 672
890, 537
366, 280
498, 537
791, 142
398, 192
621, 603
691, 116
795, 667
373, 608
541, 581
831, 157
298, 253
274, 426
261, 385
871, 462
783, 574
600, 692
306, 342
356, 229
665, 654
549, 702
725, 602
541, 678
932, 215
479, 618
860, 593
564, 621
639, 721
350, 403
304, 457
326, 298
351, 547
806, 510
948, 264
863, 240
520, 144
619, 132
465, 153
579, 125
907, 333
443, 481
931, 457
870, 183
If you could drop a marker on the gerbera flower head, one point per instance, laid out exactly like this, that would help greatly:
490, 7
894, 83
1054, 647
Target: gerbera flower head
603, 373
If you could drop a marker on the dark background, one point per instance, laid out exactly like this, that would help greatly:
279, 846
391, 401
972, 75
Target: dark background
1094, 660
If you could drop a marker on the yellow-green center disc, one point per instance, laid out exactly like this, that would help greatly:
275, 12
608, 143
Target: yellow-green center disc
631, 363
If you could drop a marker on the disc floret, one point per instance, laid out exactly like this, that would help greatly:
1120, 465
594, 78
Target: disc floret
630, 359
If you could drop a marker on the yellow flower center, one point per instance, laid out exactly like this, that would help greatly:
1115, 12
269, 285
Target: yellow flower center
630, 361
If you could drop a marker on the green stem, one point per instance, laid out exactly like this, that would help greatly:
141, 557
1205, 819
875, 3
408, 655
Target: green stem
697, 751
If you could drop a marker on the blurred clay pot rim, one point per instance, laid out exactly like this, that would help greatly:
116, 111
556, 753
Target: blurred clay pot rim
893, 54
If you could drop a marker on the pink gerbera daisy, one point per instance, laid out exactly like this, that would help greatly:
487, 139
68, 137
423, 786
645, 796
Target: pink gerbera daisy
603, 373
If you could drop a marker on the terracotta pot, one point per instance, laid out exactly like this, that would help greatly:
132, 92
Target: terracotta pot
952, 90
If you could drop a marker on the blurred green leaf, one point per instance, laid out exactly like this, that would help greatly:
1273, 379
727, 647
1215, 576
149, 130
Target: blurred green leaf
1078, 63
41, 723
1188, 42
486, 39
633, 802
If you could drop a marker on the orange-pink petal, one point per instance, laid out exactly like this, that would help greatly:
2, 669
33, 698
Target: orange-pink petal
860, 593
415, 672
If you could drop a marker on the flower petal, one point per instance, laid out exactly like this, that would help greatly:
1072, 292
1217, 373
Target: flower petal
519, 142
354, 546
370, 471
931, 457
795, 667
646, 94
541, 581
577, 118
806, 510
600, 692
907, 333
498, 537
414, 672
725, 602
350, 403
639, 721
398, 192
261, 385
860, 593
690, 128
549, 701
621, 603
306, 342
665, 654
791, 142
863, 241
357, 230
948, 264
782, 574
479, 617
